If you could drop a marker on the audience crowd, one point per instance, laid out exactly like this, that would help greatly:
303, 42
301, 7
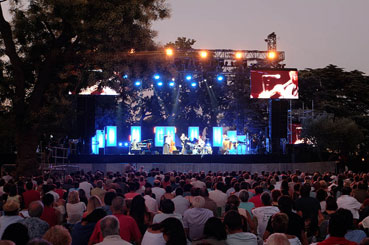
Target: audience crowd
156, 208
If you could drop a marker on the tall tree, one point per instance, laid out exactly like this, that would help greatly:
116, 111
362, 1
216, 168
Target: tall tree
56, 46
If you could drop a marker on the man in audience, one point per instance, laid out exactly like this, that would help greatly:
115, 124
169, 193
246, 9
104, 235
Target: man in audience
151, 203
167, 209
110, 231
348, 202
158, 191
108, 199
234, 226
195, 218
86, 186
209, 204
30, 194
36, 226
256, 200
10, 216
277, 239
181, 204
218, 196
98, 190
128, 227
264, 213
337, 230
50, 214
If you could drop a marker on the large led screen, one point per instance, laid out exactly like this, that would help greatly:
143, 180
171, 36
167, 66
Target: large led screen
274, 84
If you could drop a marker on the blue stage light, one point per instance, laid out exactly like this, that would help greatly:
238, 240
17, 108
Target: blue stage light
120, 144
188, 77
125, 76
171, 84
160, 84
220, 78
126, 144
156, 76
193, 84
137, 83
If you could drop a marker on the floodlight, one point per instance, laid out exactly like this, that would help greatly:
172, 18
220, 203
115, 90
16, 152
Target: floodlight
138, 83
220, 78
203, 54
156, 76
171, 84
193, 84
160, 84
271, 55
238, 55
169, 52
188, 77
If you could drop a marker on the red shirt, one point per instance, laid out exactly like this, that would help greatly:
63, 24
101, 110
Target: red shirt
49, 215
30, 196
256, 200
128, 230
60, 193
130, 195
336, 240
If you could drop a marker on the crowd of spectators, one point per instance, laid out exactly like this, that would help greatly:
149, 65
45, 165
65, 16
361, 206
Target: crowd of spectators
156, 208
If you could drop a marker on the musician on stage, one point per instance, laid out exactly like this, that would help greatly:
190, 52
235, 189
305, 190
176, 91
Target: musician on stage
183, 142
167, 142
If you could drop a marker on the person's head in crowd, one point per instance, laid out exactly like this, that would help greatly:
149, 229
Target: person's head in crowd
73, 197
331, 204
244, 195
58, 235
82, 194
173, 232
93, 203
148, 191
168, 189
117, 205
285, 204
138, 207
195, 191
346, 190
35, 209
275, 195
157, 183
38, 241
349, 218
204, 193
132, 187
233, 222
321, 195
198, 202
305, 190
266, 199
48, 200
279, 222
220, 186
7, 242
232, 203
29, 185
99, 184
277, 239
258, 190
336, 227
109, 226
167, 206
179, 191
214, 228
108, 198
17, 233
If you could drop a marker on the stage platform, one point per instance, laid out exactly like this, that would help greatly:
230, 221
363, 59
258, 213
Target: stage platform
195, 163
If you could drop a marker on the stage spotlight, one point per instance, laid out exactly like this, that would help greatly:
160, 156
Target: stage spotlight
271, 55
126, 144
203, 54
220, 78
169, 52
156, 76
120, 144
138, 83
160, 84
188, 77
125, 76
171, 84
193, 84
238, 55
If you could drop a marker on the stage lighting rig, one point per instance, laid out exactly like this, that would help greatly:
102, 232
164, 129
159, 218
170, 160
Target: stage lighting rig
220, 78
169, 52
203, 54
138, 83
171, 84
156, 76
159, 84
193, 84
189, 77
238, 55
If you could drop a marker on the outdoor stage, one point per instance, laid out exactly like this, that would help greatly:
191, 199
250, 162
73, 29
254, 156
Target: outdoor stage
195, 163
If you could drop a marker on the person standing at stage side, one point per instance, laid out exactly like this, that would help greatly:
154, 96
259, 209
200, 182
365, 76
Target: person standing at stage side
183, 143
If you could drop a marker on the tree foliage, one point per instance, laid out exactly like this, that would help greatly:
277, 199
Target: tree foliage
54, 46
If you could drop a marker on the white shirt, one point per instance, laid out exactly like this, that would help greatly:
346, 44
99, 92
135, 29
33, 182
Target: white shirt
6, 220
75, 212
181, 204
162, 216
263, 214
350, 203
151, 204
113, 240
294, 241
219, 197
86, 187
56, 195
158, 191
153, 238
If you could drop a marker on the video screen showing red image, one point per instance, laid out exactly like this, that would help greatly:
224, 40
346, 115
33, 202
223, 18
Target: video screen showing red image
274, 84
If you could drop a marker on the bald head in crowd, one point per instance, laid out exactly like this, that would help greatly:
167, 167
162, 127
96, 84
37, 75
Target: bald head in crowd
35, 209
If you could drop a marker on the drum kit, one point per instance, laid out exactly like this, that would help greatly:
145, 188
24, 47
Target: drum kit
197, 148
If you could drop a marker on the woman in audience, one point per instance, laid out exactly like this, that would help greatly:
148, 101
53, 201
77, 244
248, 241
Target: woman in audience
94, 202
173, 232
214, 233
139, 212
17, 233
168, 193
280, 225
236, 230
75, 208
82, 196
153, 236
58, 235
